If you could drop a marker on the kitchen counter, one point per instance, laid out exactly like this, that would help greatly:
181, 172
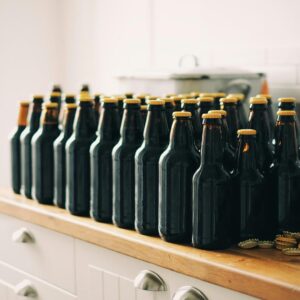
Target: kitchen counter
266, 274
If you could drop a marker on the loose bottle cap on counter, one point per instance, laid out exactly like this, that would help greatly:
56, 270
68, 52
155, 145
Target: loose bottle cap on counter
220, 112
246, 132
190, 101
144, 107
156, 102
179, 114
239, 96
169, 100
170, 95
287, 99
50, 105
24, 103
267, 96
205, 99
229, 100
71, 105
55, 94
286, 113
132, 101
258, 100
109, 100
211, 116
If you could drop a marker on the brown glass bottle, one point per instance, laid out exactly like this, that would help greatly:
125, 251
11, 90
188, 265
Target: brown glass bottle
169, 109
205, 105
271, 116
242, 116
15, 147
191, 105
123, 164
156, 137
120, 105
43, 156
250, 205
101, 161
78, 158
144, 114
25, 138
211, 191
230, 106
177, 165
286, 174
55, 97
177, 102
258, 120
60, 155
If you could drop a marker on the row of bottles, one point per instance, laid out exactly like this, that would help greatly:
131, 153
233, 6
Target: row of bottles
189, 169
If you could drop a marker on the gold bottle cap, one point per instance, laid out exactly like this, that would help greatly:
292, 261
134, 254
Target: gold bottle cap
132, 101
205, 99
119, 98
287, 99
286, 113
220, 111
185, 95
207, 95
239, 96
246, 132
85, 97
144, 107
71, 105
170, 95
152, 98
156, 102
211, 116
177, 98
109, 100
38, 96
50, 105
169, 100
55, 94
181, 114
258, 100
24, 103
267, 96
219, 95
190, 101
229, 100
142, 96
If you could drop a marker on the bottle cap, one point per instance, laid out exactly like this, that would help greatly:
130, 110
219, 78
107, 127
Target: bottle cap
211, 116
239, 96
151, 98
219, 95
229, 100
179, 114
156, 102
258, 100
189, 101
170, 95
50, 105
55, 94
38, 96
220, 111
119, 98
24, 103
286, 113
187, 96
85, 97
109, 100
246, 132
177, 98
169, 100
287, 99
71, 105
142, 96
70, 96
132, 101
267, 96
208, 95
205, 99
144, 107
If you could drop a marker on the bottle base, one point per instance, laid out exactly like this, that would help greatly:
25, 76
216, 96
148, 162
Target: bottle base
102, 219
124, 225
176, 238
212, 246
79, 213
145, 231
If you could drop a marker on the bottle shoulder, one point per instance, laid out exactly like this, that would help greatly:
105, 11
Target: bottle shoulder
211, 172
171, 155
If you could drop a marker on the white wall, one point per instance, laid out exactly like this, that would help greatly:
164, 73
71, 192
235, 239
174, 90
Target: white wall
75, 41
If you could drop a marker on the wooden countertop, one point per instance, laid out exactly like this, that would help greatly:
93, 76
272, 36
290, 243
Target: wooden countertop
266, 274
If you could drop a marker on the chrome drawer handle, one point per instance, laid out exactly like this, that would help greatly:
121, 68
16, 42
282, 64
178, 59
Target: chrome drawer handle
26, 289
22, 235
189, 293
150, 281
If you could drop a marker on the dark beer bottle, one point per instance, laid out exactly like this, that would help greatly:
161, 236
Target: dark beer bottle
101, 161
123, 164
230, 106
156, 137
286, 171
15, 147
55, 97
205, 105
271, 116
211, 191
177, 102
242, 116
120, 105
85, 88
43, 156
191, 105
229, 153
177, 165
25, 138
70, 98
144, 113
97, 108
60, 155
258, 120
169, 109
78, 158
250, 202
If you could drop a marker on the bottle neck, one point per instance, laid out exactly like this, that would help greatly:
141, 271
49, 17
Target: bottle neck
132, 124
225, 131
258, 120
156, 131
68, 123
109, 124
35, 116
204, 107
286, 147
23, 113
189, 107
212, 145
85, 121
49, 119
246, 153
181, 135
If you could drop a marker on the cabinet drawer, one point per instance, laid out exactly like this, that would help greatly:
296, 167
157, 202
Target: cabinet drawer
48, 255
17, 285
107, 275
